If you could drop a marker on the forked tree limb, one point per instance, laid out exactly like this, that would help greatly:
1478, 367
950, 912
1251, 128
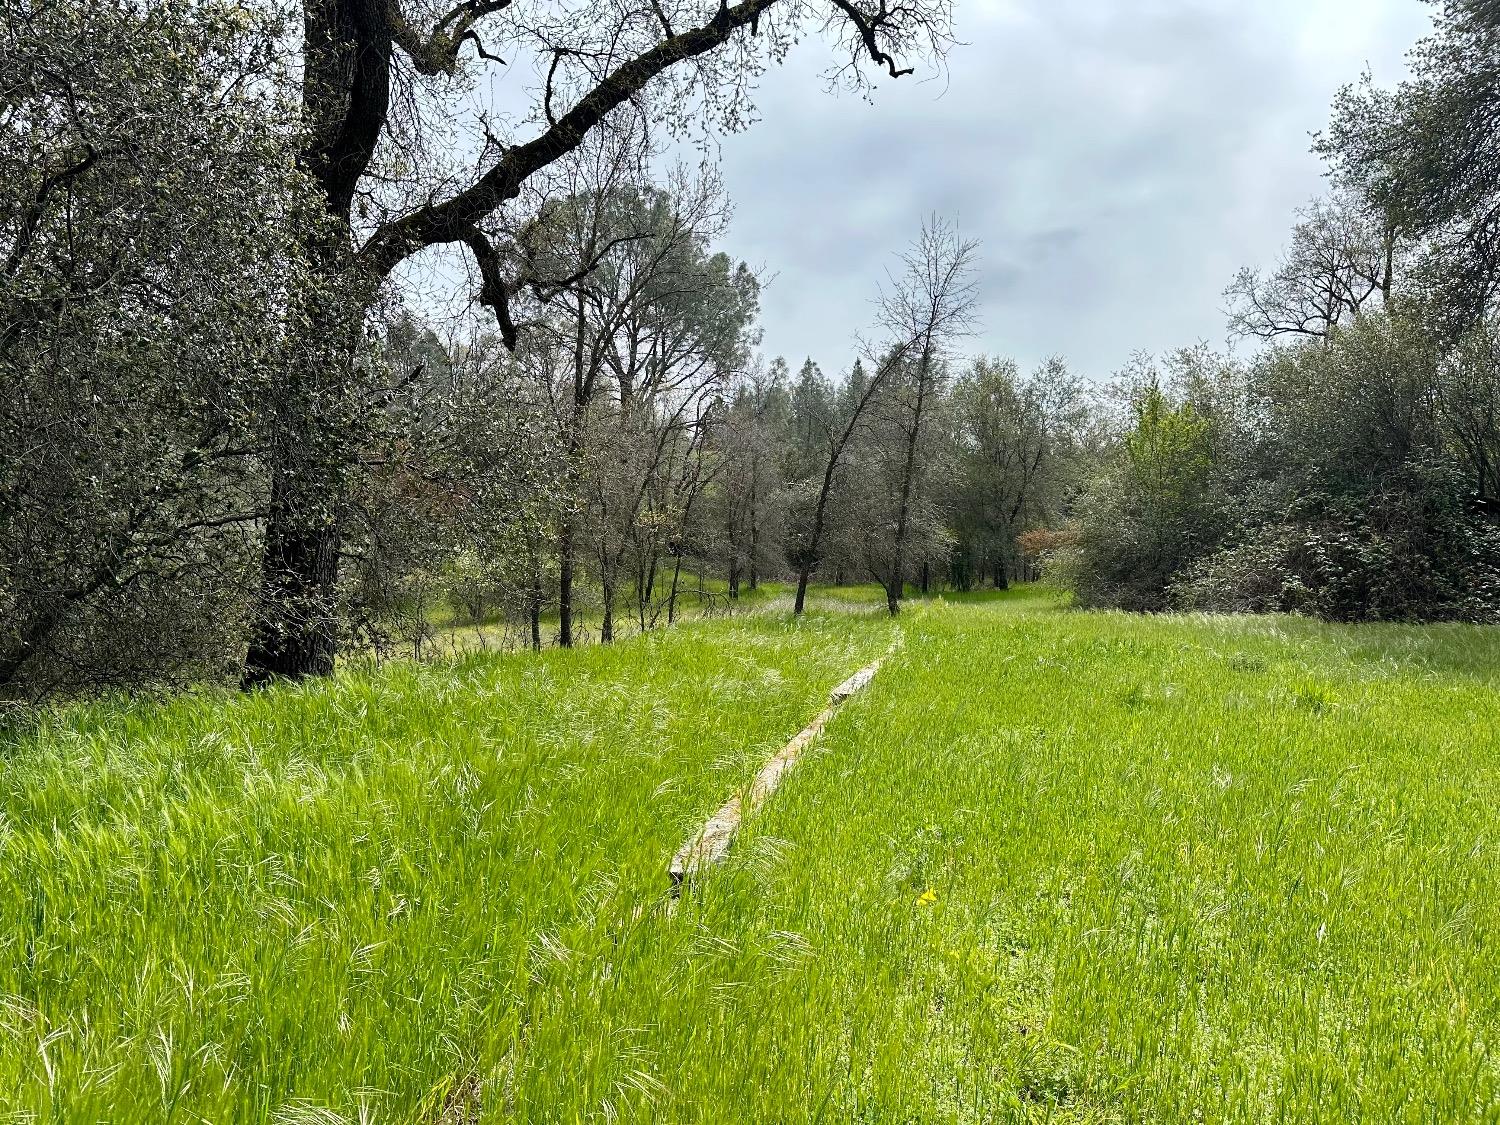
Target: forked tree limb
442, 221
451, 219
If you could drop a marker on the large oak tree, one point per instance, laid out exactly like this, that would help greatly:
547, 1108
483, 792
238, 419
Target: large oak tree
372, 72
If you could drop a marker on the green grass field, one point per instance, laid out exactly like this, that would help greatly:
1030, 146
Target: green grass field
1050, 866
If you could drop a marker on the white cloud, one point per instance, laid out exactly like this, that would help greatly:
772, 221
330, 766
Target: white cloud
1118, 162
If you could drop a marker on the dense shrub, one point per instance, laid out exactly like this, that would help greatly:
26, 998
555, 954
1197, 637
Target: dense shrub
1319, 479
1413, 550
148, 203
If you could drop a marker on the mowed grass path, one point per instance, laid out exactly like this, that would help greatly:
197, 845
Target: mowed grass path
348, 901
1050, 866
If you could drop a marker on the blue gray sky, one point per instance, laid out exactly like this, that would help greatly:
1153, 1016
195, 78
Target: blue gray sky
1117, 161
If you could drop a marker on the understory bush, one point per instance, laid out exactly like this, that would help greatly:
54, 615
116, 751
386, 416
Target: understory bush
1322, 479
1413, 550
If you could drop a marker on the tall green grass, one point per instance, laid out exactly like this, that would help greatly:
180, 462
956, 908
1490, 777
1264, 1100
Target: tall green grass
1050, 866
1095, 867
344, 901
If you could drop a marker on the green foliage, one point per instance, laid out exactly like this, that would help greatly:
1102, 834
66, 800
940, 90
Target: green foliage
458, 496
1410, 550
148, 210
1468, 396
744, 524
1427, 154
1153, 511
1020, 453
1363, 514
1168, 454
814, 410
1326, 478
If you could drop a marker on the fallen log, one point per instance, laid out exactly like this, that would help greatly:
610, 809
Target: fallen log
711, 843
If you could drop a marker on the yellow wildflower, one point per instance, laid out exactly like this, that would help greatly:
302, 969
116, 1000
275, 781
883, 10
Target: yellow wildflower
927, 898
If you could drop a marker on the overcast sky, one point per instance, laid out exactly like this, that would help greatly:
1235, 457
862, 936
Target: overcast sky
1117, 161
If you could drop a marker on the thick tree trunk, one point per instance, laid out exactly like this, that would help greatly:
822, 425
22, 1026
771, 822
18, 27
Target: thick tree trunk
313, 448
347, 48
346, 69
572, 448
607, 626
297, 628
565, 584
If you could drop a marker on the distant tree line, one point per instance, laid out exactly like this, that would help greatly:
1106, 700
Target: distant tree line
237, 447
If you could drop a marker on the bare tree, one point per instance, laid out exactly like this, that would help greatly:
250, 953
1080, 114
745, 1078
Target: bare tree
923, 308
1342, 260
752, 486
931, 303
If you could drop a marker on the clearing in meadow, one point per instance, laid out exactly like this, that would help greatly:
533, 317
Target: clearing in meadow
1049, 865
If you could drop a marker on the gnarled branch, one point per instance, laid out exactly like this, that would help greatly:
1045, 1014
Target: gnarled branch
867, 26
447, 221
493, 291
437, 52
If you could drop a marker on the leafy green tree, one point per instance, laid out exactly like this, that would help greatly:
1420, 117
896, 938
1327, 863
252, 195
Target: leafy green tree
149, 219
1427, 154
1021, 445
814, 405
1360, 510
1153, 512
